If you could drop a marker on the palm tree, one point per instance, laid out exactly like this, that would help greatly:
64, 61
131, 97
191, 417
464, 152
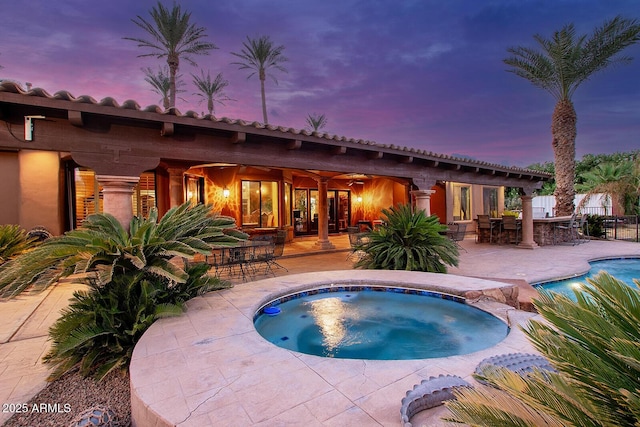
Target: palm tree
161, 83
173, 37
563, 63
211, 90
316, 121
618, 181
259, 55
594, 345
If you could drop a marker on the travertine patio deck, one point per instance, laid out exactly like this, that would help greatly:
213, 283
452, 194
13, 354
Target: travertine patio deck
211, 367
24, 322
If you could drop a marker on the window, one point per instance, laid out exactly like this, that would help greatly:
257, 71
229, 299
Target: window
260, 204
194, 189
461, 202
490, 201
89, 200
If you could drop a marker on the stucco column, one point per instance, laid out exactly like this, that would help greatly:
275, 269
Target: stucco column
176, 186
117, 192
527, 223
423, 200
323, 216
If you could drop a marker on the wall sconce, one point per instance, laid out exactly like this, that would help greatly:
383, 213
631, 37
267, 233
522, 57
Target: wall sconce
226, 193
359, 199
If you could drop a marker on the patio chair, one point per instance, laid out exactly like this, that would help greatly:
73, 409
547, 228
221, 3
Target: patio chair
456, 233
566, 232
510, 226
583, 228
356, 240
485, 225
278, 250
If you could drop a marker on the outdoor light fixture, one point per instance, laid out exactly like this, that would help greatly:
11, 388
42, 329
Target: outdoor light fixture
28, 126
225, 193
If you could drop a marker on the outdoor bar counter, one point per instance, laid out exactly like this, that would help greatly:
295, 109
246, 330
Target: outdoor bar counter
544, 230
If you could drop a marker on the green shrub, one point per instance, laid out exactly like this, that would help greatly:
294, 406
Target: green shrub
13, 241
408, 241
595, 224
134, 278
593, 343
99, 330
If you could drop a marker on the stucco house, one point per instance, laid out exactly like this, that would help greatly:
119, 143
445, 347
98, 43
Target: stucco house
63, 158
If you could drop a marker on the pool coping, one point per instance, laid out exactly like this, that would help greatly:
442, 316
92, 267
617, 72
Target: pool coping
583, 272
211, 364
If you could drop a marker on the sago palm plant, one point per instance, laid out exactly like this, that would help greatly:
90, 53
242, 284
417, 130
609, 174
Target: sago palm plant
102, 248
593, 343
13, 242
409, 241
99, 329
134, 278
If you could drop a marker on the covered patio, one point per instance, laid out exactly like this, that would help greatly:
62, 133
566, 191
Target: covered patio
182, 157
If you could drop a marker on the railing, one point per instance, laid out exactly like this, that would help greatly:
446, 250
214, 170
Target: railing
622, 227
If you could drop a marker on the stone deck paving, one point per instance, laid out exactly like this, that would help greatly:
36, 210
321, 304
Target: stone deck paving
24, 321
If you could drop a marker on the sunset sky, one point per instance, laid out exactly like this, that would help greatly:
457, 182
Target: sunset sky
426, 74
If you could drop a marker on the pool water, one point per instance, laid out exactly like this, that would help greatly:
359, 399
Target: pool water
381, 325
625, 269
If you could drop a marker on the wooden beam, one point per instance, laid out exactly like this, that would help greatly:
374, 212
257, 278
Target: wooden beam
339, 149
294, 145
375, 155
167, 129
406, 159
75, 118
238, 137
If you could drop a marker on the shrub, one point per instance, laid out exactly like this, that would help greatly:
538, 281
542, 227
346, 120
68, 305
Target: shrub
99, 330
595, 224
408, 241
134, 278
593, 343
13, 241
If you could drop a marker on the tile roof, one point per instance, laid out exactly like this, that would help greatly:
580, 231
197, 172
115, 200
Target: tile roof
12, 87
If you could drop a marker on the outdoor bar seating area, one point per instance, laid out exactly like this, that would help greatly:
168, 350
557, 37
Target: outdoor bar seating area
546, 231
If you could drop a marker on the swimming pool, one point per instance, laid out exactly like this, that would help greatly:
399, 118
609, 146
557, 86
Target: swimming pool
625, 269
379, 323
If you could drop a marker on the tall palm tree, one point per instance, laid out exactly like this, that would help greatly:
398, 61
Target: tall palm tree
211, 90
316, 121
161, 83
259, 55
563, 63
173, 37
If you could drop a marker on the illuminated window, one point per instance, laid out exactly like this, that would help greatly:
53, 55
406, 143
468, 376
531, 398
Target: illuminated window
490, 201
461, 202
260, 204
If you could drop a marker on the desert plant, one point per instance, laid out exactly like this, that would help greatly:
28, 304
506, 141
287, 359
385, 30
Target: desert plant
408, 240
593, 343
102, 249
13, 241
99, 330
595, 225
